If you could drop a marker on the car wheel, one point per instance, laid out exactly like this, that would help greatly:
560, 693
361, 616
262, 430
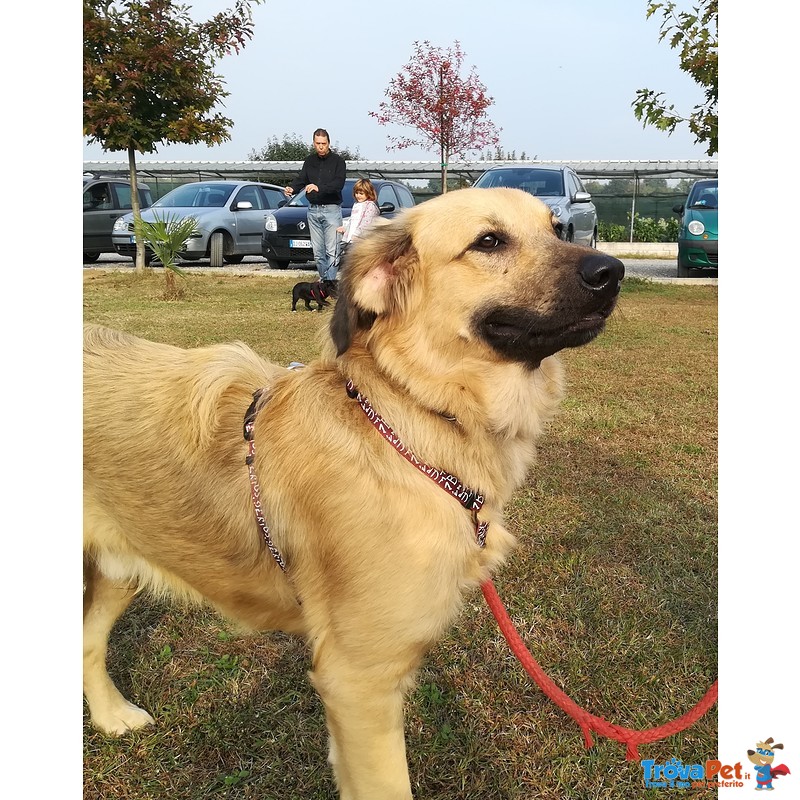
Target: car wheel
684, 272
215, 249
569, 234
274, 263
234, 259
593, 240
90, 258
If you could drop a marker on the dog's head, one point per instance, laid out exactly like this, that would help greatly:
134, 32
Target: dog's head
330, 288
765, 752
477, 267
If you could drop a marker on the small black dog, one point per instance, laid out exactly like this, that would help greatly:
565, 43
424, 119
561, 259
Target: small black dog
318, 291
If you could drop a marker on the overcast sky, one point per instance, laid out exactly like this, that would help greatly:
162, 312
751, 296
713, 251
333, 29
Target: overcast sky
563, 76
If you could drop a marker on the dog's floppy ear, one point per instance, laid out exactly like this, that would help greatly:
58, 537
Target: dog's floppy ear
379, 269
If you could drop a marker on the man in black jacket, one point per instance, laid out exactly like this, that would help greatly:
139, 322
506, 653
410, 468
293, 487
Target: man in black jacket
322, 176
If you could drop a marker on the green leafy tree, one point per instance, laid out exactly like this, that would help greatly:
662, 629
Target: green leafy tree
148, 77
448, 111
694, 34
293, 147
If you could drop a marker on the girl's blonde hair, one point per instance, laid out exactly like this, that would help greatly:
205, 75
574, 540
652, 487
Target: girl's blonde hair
365, 185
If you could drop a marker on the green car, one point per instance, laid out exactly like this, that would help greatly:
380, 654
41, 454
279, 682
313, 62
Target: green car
698, 234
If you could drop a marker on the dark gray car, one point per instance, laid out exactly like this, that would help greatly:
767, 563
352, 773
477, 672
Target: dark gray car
558, 187
104, 201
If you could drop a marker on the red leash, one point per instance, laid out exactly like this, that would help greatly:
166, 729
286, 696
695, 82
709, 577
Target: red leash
589, 722
473, 501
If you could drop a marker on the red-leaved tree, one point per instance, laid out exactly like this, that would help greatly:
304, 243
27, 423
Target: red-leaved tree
447, 110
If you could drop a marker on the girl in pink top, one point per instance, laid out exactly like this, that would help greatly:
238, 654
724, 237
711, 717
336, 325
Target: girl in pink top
364, 211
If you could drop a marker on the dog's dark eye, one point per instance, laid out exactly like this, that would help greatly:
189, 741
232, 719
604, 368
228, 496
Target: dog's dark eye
488, 241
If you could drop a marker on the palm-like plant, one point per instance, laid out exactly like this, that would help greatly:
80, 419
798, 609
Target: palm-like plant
166, 237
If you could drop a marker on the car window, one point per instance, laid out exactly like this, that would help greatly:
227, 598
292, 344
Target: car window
387, 195
250, 194
272, 197
348, 201
406, 198
704, 195
196, 195
538, 182
123, 191
572, 184
98, 197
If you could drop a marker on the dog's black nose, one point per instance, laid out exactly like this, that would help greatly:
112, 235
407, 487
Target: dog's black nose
601, 272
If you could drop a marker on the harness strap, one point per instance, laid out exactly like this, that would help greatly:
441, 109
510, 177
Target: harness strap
317, 292
255, 489
469, 498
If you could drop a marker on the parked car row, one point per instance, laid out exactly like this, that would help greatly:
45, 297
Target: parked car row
239, 218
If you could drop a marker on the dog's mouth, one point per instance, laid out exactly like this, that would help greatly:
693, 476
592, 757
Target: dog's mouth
522, 335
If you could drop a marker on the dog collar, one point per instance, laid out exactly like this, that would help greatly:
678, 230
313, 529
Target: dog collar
469, 498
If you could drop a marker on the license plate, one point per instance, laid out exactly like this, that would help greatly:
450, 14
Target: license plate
300, 243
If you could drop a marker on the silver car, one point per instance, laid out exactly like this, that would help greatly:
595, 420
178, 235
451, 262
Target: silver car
558, 187
229, 215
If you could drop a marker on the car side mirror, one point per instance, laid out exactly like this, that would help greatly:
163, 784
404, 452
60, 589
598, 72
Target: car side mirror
387, 208
678, 209
581, 197
243, 205
282, 203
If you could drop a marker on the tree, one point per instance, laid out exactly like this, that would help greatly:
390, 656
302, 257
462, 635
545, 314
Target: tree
295, 148
695, 34
448, 111
148, 77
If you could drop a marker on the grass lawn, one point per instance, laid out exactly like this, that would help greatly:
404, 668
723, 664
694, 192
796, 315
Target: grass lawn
613, 587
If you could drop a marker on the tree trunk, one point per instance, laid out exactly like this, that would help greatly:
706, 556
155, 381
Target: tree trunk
137, 210
443, 154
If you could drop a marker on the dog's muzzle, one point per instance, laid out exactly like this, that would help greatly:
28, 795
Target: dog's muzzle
577, 315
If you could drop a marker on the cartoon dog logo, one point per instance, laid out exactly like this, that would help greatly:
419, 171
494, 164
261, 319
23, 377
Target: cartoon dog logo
762, 757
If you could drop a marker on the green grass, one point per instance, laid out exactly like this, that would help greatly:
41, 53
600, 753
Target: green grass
613, 587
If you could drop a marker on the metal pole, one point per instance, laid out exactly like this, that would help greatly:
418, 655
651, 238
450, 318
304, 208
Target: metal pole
633, 201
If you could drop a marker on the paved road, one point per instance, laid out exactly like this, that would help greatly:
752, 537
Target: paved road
658, 270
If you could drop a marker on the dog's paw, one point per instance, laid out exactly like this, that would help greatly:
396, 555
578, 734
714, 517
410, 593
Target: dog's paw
121, 719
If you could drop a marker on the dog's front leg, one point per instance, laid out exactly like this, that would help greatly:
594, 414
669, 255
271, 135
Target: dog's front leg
364, 714
103, 602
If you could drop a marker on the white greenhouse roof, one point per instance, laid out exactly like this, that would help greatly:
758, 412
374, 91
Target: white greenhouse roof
409, 169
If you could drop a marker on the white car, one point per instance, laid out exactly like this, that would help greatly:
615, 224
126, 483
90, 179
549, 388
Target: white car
229, 215
558, 187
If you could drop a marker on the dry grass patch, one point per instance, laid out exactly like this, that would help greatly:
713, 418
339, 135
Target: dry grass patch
614, 585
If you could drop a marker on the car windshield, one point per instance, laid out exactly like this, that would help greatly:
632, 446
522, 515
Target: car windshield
538, 182
347, 197
704, 194
196, 195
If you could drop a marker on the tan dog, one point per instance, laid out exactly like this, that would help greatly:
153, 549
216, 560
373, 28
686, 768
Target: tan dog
447, 321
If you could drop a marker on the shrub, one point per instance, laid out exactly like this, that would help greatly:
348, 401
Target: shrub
645, 229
